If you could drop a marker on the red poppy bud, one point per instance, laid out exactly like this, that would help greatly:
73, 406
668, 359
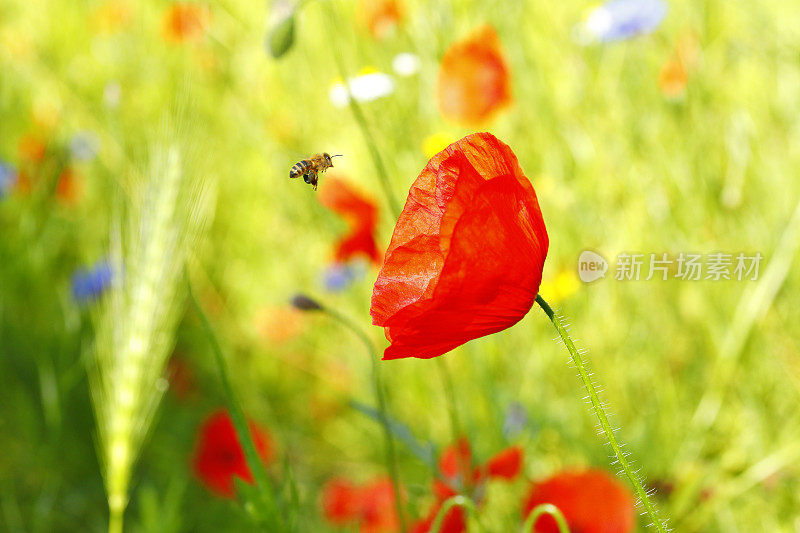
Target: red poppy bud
467, 252
592, 501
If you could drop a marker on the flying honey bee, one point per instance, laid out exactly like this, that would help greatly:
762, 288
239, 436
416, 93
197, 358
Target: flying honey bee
310, 168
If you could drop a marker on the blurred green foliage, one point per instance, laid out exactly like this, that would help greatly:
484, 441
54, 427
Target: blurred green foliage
618, 167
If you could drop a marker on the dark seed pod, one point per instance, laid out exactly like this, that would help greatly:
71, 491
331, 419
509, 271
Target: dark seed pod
305, 303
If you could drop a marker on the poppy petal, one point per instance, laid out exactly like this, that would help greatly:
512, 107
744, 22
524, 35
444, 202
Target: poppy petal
456, 459
454, 521
361, 214
372, 505
505, 464
340, 501
592, 501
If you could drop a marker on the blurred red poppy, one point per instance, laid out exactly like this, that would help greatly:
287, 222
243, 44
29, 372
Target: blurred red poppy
674, 74
219, 456
467, 252
380, 16
69, 187
474, 80
186, 21
31, 148
672, 78
111, 16
371, 506
592, 501
361, 214
278, 324
506, 464
455, 521
458, 474
455, 465
182, 381
24, 185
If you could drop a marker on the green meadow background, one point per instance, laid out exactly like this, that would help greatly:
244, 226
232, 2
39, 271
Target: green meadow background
618, 167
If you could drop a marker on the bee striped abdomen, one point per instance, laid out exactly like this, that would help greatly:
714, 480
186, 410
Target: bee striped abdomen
299, 168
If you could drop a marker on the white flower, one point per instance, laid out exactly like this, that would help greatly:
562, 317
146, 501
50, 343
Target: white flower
406, 64
111, 94
364, 88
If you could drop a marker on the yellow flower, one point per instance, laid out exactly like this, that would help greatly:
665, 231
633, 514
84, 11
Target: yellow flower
111, 16
369, 69
17, 43
433, 144
562, 286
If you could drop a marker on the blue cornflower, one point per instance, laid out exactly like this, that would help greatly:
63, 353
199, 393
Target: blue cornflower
84, 146
89, 284
338, 276
622, 19
8, 176
515, 420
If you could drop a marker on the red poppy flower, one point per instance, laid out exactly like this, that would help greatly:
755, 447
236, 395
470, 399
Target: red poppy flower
467, 252
219, 457
455, 467
380, 16
371, 506
361, 214
592, 501
474, 81
186, 21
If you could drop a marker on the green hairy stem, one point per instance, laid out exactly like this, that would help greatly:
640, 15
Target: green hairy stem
608, 430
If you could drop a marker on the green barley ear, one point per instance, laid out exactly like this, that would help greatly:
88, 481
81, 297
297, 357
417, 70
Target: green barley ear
135, 328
